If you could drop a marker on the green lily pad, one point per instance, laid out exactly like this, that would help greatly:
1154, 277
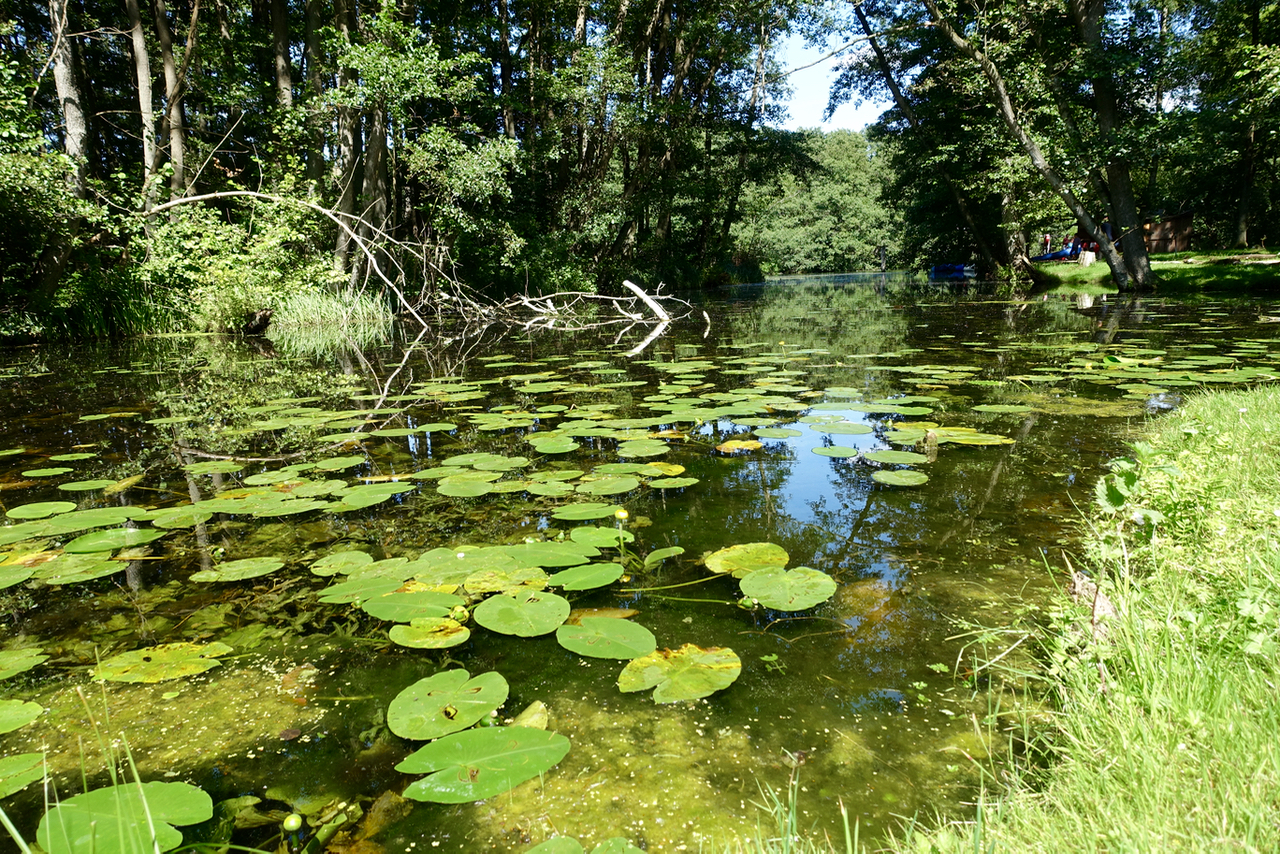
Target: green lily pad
464, 488
601, 637
585, 512
587, 577
659, 555
341, 463
616, 845
239, 570
904, 477
16, 713
46, 472
430, 633
343, 563
18, 772
359, 588
747, 558
480, 763
906, 458
643, 448
688, 673
85, 485
1003, 407
161, 663
110, 540
837, 451
777, 432
446, 702
609, 485
214, 467
843, 428
77, 568
554, 445
40, 510
601, 538
557, 845
186, 516
119, 819
15, 661
11, 575
672, 482
548, 554
71, 458
9, 452
794, 590
408, 603
506, 579
526, 613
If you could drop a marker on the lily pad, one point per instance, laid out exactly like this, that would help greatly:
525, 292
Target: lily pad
553, 445
161, 663
793, 590
464, 488
239, 570
659, 555
18, 772
904, 477
609, 485
40, 510
734, 445
119, 819
480, 763
16, 713
46, 472
214, 467
587, 577
360, 587
600, 637
11, 575
688, 673
430, 633
906, 458
409, 603
1003, 407
186, 516
837, 451
672, 482
643, 448
747, 558
842, 428
343, 563
601, 538
549, 554
85, 485
585, 512
77, 568
525, 614
446, 702
15, 661
777, 432
116, 538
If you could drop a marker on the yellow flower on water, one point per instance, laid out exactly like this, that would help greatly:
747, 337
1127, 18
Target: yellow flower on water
621, 514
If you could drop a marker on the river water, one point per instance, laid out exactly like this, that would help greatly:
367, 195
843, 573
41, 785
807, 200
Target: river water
881, 697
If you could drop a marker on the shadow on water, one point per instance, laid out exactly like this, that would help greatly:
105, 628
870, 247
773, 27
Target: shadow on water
873, 691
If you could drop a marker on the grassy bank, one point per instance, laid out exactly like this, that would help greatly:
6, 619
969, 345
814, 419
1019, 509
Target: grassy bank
1167, 734
1181, 272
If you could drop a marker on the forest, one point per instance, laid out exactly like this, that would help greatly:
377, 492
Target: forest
198, 163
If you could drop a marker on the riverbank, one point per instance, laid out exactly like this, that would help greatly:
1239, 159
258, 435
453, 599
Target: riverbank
1234, 271
1166, 734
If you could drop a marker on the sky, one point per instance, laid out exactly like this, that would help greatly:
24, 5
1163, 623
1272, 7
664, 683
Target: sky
811, 88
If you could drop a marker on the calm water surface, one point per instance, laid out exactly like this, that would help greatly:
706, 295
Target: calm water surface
872, 695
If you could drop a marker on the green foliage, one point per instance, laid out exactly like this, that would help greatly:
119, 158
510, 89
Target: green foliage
828, 218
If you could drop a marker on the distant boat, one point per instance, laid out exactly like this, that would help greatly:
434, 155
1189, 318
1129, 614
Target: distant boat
952, 272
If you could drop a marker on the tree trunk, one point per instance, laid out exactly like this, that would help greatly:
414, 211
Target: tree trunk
173, 103
505, 71
311, 55
146, 102
280, 45
347, 166
373, 215
70, 97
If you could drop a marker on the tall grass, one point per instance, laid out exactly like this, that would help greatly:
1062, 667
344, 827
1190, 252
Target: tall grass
1167, 734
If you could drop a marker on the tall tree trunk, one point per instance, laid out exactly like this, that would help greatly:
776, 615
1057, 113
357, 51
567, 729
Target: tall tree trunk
53, 260
347, 166
70, 97
740, 174
173, 103
1249, 172
1089, 15
280, 46
146, 102
315, 81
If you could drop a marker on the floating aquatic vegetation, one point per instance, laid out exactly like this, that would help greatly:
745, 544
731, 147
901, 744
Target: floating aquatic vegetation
602, 637
903, 477
788, 590
17, 713
746, 558
161, 663
447, 702
525, 613
480, 763
15, 661
124, 819
688, 673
